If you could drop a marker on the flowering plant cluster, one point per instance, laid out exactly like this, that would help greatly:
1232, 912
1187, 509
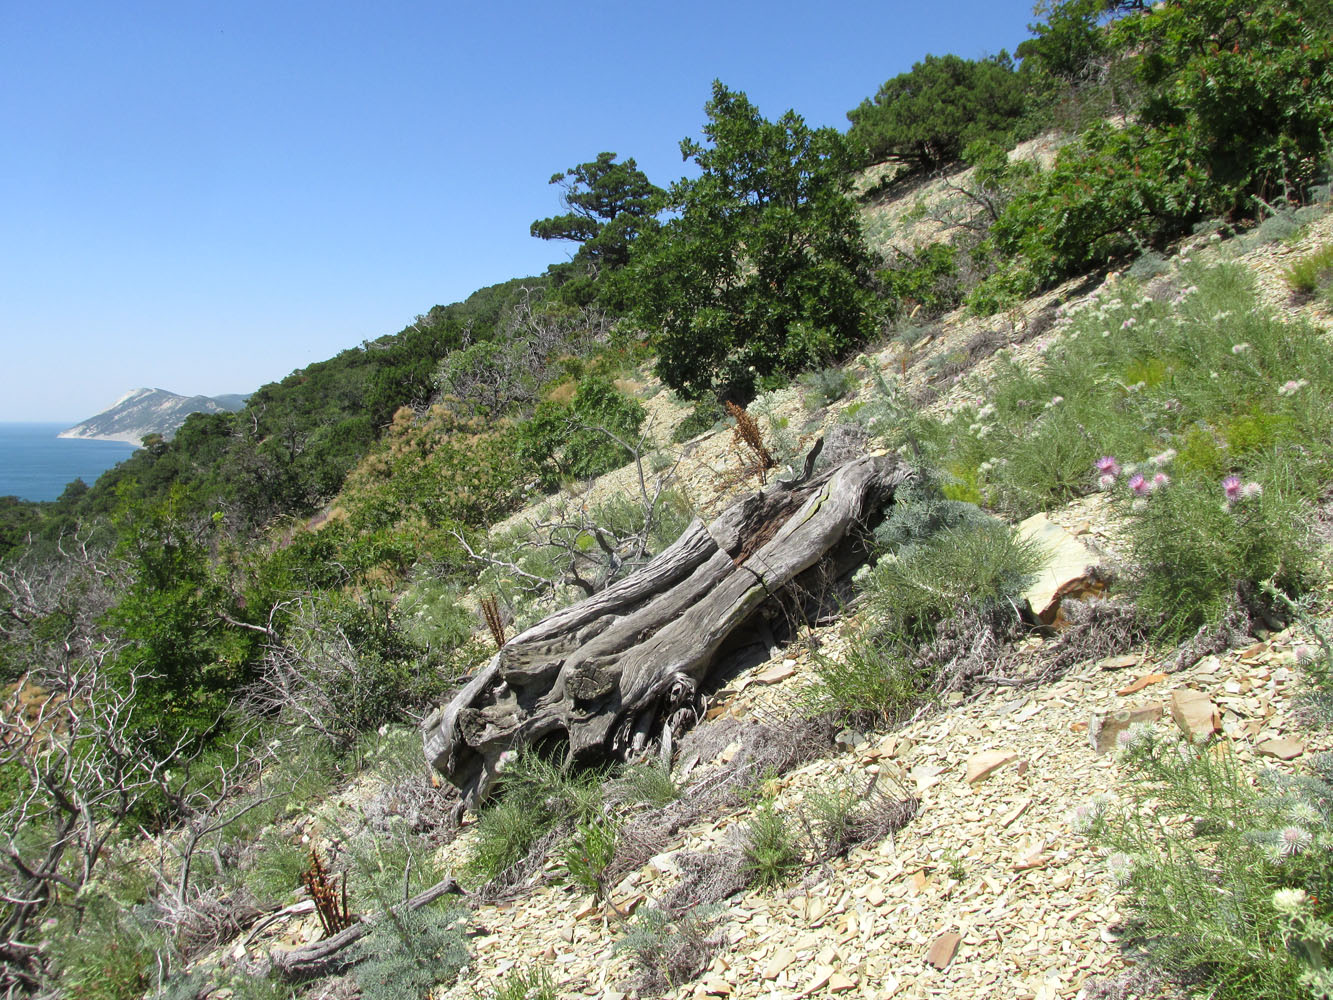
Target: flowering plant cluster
1138, 483
1220, 873
1141, 483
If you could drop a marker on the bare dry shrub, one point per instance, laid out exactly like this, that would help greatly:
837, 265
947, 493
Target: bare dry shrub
1096, 629
874, 817
967, 646
1232, 629
210, 920
747, 432
707, 877
428, 811
670, 948
1140, 981
980, 345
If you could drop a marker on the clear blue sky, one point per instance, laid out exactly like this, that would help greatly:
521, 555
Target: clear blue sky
203, 196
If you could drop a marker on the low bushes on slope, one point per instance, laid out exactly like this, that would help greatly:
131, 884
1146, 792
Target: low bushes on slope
1158, 399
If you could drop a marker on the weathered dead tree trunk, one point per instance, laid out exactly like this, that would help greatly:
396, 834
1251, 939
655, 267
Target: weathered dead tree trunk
619, 668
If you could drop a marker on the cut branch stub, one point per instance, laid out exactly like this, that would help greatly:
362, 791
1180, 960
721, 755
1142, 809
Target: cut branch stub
612, 671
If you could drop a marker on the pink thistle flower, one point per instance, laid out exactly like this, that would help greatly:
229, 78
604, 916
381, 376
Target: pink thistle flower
1231, 487
1251, 490
1293, 840
1107, 481
1159, 480
1138, 484
1108, 466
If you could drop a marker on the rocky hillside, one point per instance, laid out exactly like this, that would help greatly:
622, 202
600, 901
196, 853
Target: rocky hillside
141, 412
981, 883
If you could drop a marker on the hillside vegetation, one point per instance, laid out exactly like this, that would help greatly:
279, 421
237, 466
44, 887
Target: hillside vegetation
1092, 281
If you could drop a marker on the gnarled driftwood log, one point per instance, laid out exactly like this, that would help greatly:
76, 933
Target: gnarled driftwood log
621, 667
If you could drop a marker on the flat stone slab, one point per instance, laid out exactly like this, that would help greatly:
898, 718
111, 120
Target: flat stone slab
1105, 728
1065, 573
943, 950
1283, 749
1195, 713
985, 764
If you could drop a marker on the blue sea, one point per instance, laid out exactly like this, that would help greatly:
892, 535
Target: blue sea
37, 465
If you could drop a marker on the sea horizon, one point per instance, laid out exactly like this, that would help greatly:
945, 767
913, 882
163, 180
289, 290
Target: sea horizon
37, 465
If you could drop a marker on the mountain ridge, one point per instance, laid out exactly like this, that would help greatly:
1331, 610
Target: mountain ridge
141, 412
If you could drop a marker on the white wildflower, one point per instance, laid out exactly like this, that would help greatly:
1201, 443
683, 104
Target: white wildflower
1290, 900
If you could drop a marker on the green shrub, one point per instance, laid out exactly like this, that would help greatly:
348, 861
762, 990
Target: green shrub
1312, 273
107, 955
925, 117
533, 983
588, 853
591, 434
826, 386
275, 874
648, 783
982, 562
1195, 542
345, 667
833, 817
505, 833
534, 796
409, 953
771, 847
872, 677
1228, 884
924, 284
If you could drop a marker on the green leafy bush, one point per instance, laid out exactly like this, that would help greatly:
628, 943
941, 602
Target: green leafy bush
344, 667
763, 270
925, 283
593, 433
706, 415
1233, 106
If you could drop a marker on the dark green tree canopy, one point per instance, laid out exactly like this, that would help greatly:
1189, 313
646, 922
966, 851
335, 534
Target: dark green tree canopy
608, 205
925, 117
762, 270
